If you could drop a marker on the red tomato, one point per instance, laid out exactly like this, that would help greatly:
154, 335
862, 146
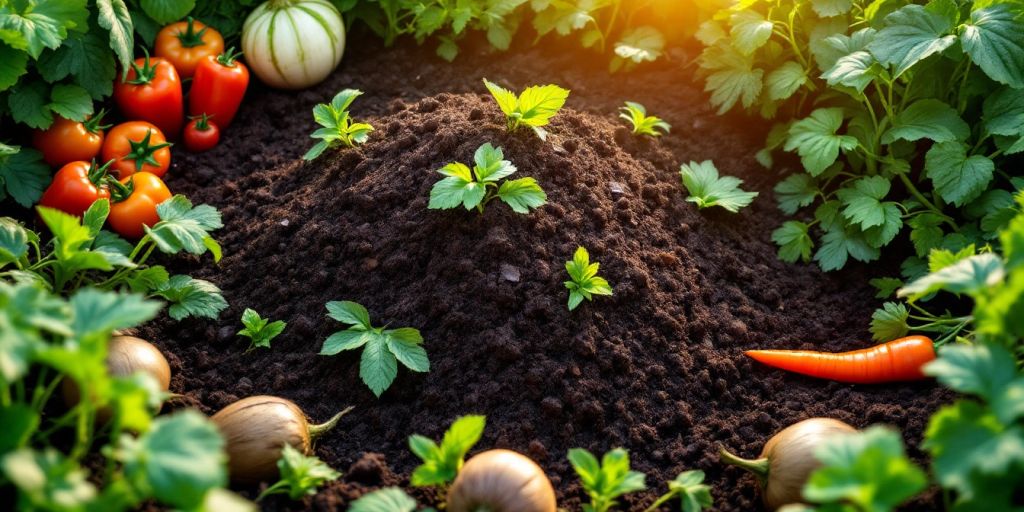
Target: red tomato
135, 200
186, 43
66, 141
218, 88
75, 187
201, 134
137, 146
152, 92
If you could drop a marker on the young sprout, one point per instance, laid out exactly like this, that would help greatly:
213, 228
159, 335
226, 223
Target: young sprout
259, 330
643, 124
534, 107
708, 189
607, 480
474, 188
441, 463
301, 475
338, 128
585, 282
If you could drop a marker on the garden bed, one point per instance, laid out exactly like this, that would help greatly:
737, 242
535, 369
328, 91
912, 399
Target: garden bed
657, 368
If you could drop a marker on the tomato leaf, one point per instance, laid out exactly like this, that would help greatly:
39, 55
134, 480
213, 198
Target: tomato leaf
838, 244
70, 102
41, 24
707, 188
84, 56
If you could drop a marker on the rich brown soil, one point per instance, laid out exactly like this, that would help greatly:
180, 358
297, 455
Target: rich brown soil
657, 368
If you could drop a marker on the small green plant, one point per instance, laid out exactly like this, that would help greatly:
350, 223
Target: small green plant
479, 186
382, 348
442, 463
694, 495
259, 330
534, 107
607, 480
301, 475
643, 124
708, 189
337, 126
585, 282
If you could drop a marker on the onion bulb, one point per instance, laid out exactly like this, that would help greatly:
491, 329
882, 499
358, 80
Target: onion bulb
256, 430
501, 481
125, 356
787, 460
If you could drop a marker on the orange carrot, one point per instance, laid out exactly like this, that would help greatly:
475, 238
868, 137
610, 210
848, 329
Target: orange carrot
897, 360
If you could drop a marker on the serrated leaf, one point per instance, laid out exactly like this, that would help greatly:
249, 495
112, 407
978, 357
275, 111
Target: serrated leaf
966, 276
24, 176
522, 195
70, 102
994, 41
1004, 112
114, 16
95, 311
794, 241
167, 11
349, 312
911, 34
927, 119
303, 474
191, 298
707, 188
750, 31
816, 140
863, 203
785, 80
183, 227
886, 286
86, 57
838, 244
925, 232
46, 478
795, 192
42, 23
641, 44
28, 101
856, 70
889, 322
958, 178
829, 8
13, 65
980, 370
388, 499
732, 77
378, 367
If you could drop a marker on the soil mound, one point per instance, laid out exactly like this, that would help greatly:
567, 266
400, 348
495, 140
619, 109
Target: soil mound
657, 368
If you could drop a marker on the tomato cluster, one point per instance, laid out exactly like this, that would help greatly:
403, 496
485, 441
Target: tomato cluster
135, 154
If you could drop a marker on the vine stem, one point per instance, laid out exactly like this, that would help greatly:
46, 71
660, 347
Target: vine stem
928, 204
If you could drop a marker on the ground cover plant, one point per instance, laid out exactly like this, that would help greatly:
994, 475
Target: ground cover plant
654, 376
474, 188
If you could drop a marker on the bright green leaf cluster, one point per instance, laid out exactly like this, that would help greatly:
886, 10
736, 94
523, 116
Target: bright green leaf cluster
388, 499
442, 463
533, 108
259, 330
584, 282
301, 475
606, 480
337, 126
382, 348
474, 188
643, 124
708, 189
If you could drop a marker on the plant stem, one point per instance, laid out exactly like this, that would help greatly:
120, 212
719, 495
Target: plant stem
927, 204
316, 431
277, 488
759, 467
659, 502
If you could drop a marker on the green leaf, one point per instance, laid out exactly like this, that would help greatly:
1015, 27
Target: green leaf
886, 286
13, 65
24, 176
868, 469
13, 241
28, 104
507, 100
114, 16
863, 202
167, 11
47, 480
607, 481
994, 41
892, 222
191, 298
966, 276
694, 495
388, 499
41, 24
96, 311
18, 422
889, 322
178, 460
348, 312
259, 330
442, 463
87, 58
378, 367
785, 80
856, 70
538, 104
984, 371
750, 31
1004, 112
732, 77
70, 102
794, 241
522, 195
958, 178
491, 165
911, 34
183, 227
405, 344
303, 474
927, 119
348, 339
829, 8
925, 232
838, 244
707, 188
641, 44
815, 140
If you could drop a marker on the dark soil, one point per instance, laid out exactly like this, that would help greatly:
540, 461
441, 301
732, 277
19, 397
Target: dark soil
657, 368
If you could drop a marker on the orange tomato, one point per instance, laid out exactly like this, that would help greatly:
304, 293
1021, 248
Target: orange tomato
137, 146
186, 43
135, 202
67, 141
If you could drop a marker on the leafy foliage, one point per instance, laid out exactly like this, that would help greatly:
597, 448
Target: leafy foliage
584, 282
474, 188
337, 126
643, 124
301, 474
533, 108
689, 487
441, 463
708, 189
382, 348
388, 499
607, 480
259, 330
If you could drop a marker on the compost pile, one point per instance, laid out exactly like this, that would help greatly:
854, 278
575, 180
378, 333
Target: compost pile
657, 368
